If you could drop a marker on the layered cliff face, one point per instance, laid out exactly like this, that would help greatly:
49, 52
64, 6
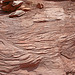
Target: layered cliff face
41, 42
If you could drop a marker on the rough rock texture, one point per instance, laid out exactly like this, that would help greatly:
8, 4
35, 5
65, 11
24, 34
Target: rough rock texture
17, 13
11, 6
42, 42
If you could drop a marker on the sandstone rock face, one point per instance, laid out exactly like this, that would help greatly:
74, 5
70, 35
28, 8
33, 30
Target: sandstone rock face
39, 43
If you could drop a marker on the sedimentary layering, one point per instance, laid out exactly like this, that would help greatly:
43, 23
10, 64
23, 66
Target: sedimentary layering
42, 42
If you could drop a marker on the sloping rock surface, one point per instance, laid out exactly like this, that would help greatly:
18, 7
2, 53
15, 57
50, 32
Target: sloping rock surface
42, 42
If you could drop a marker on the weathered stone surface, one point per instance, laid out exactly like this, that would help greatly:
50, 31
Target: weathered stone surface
57, 13
26, 9
17, 13
8, 8
40, 6
68, 47
44, 48
22, 6
11, 6
17, 3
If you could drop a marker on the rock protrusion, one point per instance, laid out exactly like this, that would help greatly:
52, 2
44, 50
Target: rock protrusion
11, 5
40, 6
17, 7
17, 13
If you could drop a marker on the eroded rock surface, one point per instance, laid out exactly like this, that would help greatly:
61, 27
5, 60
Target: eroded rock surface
68, 47
39, 43
10, 5
17, 13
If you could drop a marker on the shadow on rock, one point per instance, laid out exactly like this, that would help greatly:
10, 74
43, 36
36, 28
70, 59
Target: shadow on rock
29, 67
3, 13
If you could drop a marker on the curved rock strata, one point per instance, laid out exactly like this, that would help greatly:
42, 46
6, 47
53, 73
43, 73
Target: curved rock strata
42, 42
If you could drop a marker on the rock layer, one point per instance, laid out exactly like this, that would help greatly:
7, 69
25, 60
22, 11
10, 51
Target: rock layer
39, 43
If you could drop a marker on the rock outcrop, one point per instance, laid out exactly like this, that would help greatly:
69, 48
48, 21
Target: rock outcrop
10, 5
42, 42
